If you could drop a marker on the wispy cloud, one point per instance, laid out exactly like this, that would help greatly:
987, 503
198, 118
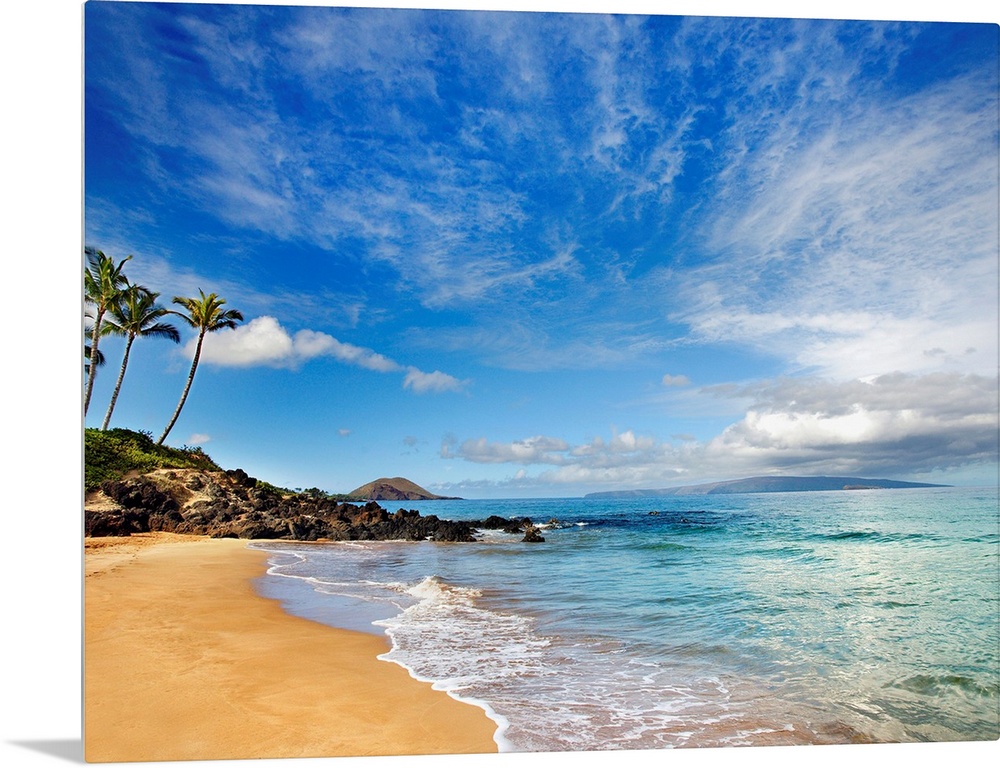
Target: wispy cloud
855, 245
675, 380
421, 382
309, 344
531, 450
456, 226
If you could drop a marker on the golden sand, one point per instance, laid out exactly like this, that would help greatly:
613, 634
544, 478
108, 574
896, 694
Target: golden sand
183, 660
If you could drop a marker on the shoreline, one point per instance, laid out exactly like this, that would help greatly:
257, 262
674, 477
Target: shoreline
350, 616
184, 660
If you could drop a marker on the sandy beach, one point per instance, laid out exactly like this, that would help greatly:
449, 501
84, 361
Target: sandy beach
183, 660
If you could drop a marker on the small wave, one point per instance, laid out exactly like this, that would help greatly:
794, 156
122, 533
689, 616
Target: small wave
936, 684
881, 537
460, 647
852, 535
896, 604
665, 546
554, 524
434, 589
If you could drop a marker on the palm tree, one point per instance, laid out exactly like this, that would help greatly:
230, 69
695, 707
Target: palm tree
206, 314
103, 283
86, 356
87, 351
135, 315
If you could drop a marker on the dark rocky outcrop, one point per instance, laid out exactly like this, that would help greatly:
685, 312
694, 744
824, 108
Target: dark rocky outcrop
532, 534
231, 504
497, 523
512, 525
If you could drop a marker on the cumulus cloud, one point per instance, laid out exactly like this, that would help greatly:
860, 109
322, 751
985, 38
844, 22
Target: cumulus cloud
623, 450
897, 425
263, 341
893, 423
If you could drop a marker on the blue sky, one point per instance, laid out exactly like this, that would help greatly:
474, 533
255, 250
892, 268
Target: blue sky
543, 254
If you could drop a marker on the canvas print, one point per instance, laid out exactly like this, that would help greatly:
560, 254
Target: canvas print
459, 382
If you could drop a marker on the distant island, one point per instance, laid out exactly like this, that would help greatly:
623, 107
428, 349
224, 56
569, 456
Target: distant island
767, 484
394, 489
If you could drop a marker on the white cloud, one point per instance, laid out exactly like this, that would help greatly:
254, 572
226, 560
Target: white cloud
899, 425
624, 447
421, 382
309, 344
675, 380
624, 450
263, 341
850, 242
892, 424
532, 450
862, 343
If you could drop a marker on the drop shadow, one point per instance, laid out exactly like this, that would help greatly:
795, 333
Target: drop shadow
70, 750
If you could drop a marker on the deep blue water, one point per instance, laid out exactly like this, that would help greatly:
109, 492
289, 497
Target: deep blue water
776, 618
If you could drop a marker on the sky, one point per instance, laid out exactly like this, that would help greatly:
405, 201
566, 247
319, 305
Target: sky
531, 254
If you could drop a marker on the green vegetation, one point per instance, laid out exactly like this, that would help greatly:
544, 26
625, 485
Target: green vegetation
319, 494
266, 486
110, 454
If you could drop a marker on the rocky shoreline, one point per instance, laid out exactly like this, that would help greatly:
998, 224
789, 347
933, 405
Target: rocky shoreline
231, 504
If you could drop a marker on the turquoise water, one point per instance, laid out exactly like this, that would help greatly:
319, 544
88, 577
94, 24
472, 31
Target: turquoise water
781, 618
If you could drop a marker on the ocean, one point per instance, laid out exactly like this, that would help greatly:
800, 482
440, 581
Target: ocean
688, 621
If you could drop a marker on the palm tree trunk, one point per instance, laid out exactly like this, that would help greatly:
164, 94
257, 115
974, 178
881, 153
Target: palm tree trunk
118, 384
187, 388
95, 334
